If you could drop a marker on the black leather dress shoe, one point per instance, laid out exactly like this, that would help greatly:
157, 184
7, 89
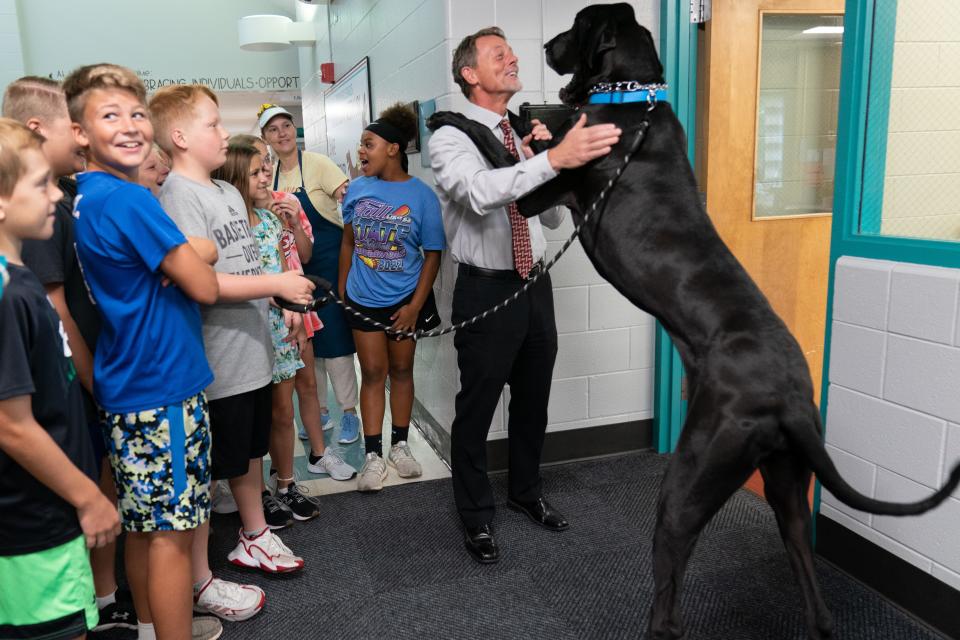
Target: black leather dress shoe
541, 512
481, 544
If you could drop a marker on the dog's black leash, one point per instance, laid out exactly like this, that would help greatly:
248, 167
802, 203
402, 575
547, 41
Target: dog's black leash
326, 293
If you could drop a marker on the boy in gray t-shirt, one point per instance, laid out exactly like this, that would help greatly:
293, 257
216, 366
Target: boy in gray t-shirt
236, 338
236, 335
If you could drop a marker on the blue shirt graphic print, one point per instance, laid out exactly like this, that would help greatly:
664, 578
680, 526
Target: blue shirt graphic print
393, 222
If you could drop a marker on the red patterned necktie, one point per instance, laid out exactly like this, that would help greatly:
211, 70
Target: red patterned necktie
520, 232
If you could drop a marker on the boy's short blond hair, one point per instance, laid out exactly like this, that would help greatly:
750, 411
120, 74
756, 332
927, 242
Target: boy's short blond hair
173, 105
15, 138
78, 85
34, 97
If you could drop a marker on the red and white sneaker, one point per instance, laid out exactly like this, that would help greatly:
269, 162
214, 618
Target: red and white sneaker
229, 600
265, 552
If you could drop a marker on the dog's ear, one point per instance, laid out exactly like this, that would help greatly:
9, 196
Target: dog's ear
601, 40
655, 60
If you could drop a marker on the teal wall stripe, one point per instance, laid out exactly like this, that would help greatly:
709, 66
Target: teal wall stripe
851, 124
662, 401
879, 61
678, 52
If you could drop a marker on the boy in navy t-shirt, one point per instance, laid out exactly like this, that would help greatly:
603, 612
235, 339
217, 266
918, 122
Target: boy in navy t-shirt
48, 498
149, 368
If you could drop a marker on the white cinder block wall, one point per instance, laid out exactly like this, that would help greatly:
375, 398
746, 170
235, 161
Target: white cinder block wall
923, 163
893, 412
604, 371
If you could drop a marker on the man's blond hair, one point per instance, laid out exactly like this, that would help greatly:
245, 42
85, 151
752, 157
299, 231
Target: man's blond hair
81, 82
15, 138
34, 97
175, 105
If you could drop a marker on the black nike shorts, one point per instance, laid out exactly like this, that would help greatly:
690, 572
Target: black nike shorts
429, 317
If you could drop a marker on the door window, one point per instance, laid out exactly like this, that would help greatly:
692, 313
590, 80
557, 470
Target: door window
798, 91
911, 185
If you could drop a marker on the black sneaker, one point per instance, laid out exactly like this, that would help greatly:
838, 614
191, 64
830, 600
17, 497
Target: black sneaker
276, 515
302, 507
117, 615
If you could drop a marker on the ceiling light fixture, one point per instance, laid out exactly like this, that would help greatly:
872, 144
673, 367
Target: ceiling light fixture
274, 33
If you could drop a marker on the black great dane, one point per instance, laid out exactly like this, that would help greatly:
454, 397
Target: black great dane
751, 399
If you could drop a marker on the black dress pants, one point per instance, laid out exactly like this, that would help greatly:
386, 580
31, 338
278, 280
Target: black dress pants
516, 345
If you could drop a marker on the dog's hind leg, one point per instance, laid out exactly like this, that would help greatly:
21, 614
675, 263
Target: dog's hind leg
698, 481
786, 481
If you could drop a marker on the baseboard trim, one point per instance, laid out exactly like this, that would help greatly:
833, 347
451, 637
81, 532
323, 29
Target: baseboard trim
436, 436
558, 446
575, 444
910, 588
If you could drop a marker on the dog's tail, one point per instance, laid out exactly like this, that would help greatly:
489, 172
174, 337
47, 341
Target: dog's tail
808, 440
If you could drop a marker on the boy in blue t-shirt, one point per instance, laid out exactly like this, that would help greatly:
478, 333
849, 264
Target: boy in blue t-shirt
48, 498
149, 368
392, 240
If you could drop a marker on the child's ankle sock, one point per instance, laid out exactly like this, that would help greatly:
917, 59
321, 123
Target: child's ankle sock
145, 631
374, 444
283, 484
398, 434
103, 601
250, 535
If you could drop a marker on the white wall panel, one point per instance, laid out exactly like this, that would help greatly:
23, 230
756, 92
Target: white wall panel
894, 406
923, 376
862, 292
899, 439
856, 358
934, 534
911, 289
859, 474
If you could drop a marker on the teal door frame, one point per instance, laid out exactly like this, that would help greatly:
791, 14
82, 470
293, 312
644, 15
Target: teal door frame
678, 51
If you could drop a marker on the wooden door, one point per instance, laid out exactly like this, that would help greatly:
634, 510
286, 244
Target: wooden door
786, 253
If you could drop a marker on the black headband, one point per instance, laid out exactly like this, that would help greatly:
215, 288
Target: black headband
388, 132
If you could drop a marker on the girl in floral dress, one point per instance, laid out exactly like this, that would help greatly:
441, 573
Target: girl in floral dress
244, 170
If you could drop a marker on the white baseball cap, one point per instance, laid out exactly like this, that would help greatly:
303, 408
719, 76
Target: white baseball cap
269, 111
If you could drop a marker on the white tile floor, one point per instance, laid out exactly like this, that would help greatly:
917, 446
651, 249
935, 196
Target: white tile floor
433, 466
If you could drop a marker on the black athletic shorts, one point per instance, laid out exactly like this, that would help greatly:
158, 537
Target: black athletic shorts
428, 319
240, 431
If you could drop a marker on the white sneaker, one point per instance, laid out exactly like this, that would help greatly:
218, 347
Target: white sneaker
373, 474
206, 628
229, 600
223, 500
401, 459
331, 464
265, 552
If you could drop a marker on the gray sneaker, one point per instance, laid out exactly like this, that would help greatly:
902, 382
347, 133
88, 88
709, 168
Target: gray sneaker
373, 474
331, 464
401, 459
206, 628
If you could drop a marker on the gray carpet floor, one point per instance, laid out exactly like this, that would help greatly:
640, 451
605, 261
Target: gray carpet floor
392, 565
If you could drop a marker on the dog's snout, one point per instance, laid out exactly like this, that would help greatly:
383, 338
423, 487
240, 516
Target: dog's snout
557, 51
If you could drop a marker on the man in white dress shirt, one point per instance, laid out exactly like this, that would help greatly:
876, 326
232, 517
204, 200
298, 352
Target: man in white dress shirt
497, 251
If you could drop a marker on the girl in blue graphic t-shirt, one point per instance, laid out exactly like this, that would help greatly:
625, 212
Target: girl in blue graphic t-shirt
392, 239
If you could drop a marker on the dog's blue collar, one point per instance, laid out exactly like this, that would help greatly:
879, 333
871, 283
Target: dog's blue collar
624, 92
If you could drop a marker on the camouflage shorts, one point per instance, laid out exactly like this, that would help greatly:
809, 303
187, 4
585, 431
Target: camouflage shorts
161, 465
